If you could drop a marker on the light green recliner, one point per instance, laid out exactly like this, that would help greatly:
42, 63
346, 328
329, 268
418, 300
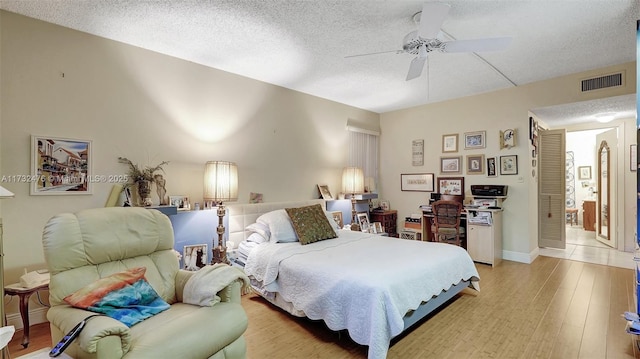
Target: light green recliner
83, 247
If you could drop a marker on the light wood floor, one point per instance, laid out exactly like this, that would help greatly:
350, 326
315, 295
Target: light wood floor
553, 308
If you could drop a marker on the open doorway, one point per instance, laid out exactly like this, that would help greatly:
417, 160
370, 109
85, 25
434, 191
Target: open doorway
582, 188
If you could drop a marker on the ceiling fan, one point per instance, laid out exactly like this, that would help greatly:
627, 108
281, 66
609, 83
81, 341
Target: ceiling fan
424, 40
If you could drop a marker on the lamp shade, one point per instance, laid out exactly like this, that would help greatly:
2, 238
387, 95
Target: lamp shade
352, 180
5, 193
220, 181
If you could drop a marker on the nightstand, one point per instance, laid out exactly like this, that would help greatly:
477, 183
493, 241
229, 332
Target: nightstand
24, 294
388, 219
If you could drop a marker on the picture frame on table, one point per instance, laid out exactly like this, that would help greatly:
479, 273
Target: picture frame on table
450, 143
324, 191
475, 164
491, 167
61, 166
417, 182
337, 217
584, 172
509, 165
363, 221
255, 197
181, 202
450, 164
376, 228
195, 256
474, 140
451, 185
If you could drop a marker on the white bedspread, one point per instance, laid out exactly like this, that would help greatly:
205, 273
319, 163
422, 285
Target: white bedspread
360, 282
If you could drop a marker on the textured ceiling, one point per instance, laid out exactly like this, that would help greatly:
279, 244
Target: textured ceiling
302, 45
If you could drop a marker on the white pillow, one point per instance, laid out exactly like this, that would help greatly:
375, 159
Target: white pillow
279, 225
256, 238
260, 229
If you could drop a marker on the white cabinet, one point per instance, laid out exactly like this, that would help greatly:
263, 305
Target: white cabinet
484, 241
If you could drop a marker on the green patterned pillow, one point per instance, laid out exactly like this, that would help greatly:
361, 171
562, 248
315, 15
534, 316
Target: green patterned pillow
311, 224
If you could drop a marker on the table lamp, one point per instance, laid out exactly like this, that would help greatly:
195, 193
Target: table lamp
353, 183
4, 352
220, 185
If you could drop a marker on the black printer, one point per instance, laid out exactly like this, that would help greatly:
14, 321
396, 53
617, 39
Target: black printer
489, 190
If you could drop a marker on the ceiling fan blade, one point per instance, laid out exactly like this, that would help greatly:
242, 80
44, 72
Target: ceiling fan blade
477, 45
415, 69
431, 19
374, 53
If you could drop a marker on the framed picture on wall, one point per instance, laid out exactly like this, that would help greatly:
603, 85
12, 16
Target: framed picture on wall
450, 143
491, 167
61, 166
508, 138
473, 140
417, 152
451, 185
450, 164
420, 182
584, 172
509, 165
475, 164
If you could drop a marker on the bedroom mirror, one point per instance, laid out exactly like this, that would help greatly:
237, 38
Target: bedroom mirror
603, 190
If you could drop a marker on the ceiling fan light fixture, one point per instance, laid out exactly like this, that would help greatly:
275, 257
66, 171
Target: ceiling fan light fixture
605, 117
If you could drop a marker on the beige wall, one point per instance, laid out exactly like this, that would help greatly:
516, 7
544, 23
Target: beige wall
150, 108
492, 112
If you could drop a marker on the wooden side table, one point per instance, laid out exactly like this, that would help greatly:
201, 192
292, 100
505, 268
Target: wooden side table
589, 215
388, 219
24, 294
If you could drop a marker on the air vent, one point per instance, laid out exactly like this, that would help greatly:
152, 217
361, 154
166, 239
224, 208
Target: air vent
606, 81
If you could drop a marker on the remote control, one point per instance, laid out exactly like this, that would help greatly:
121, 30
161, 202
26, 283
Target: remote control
67, 339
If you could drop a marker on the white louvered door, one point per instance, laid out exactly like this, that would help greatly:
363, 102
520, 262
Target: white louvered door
552, 189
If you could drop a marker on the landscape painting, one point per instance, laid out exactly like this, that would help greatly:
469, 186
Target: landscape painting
60, 166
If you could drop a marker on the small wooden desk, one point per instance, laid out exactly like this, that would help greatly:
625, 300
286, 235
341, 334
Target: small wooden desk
24, 294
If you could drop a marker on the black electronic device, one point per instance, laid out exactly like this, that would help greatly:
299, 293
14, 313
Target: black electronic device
434, 197
489, 190
69, 337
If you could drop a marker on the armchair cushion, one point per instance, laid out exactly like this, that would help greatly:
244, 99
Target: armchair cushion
125, 296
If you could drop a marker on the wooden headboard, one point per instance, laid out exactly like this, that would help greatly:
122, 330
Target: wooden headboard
242, 215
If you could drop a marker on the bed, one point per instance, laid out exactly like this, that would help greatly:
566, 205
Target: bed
373, 286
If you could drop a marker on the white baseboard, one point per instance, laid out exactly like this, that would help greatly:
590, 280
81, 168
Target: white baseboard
36, 316
521, 257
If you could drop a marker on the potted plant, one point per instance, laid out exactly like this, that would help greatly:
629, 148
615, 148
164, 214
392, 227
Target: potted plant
142, 178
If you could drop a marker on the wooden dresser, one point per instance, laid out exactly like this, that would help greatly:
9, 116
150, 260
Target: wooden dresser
388, 219
589, 215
